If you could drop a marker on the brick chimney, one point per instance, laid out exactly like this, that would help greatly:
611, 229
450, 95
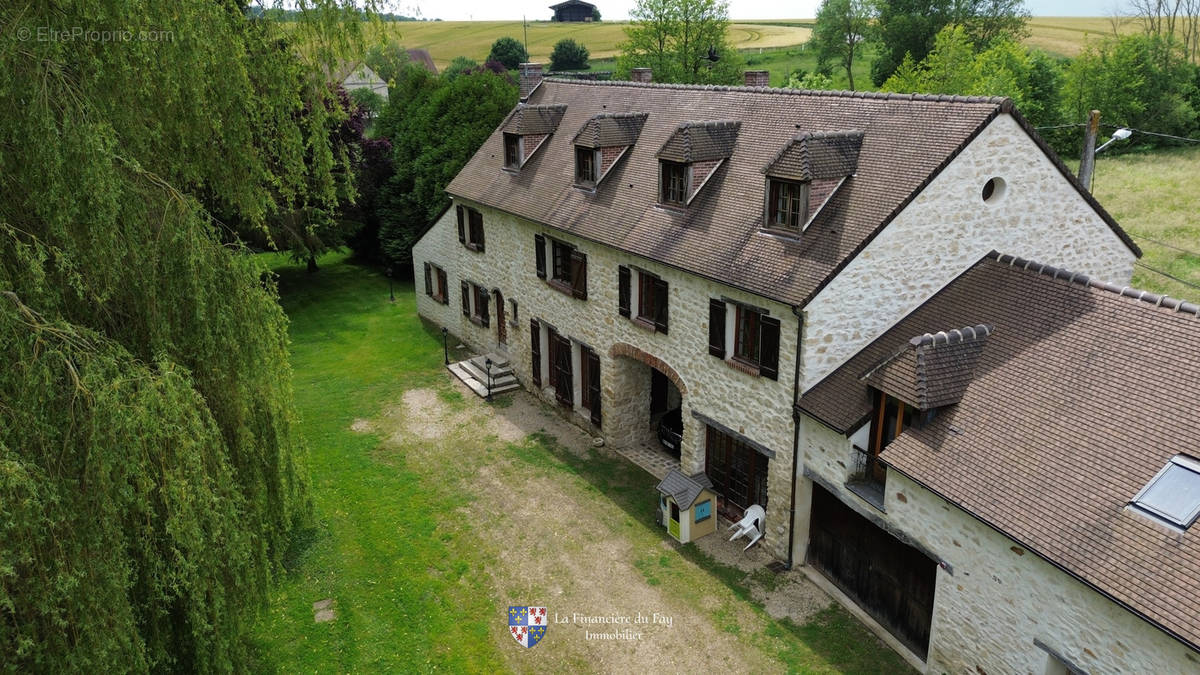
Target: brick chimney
644, 75
531, 77
758, 78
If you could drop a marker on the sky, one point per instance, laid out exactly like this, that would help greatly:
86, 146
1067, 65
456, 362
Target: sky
489, 10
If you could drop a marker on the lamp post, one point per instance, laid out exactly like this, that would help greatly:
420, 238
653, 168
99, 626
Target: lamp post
445, 347
1118, 135
488, 364
391, 293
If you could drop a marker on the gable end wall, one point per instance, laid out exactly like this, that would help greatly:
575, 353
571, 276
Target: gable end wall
946, 229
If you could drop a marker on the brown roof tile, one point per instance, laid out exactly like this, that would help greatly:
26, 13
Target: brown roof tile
1080, 396
907, 139
525, 120
701, 141
931, 370
818, 155
611, 130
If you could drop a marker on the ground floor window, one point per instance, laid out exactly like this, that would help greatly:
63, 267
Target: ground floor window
738, 471
561, 373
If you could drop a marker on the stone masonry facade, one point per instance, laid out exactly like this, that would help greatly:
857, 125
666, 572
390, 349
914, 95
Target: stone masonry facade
1036, 214
755, 407
993, 598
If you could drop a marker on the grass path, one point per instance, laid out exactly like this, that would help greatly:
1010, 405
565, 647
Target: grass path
435, 511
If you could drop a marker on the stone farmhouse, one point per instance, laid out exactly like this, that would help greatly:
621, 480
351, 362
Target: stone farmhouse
992, 460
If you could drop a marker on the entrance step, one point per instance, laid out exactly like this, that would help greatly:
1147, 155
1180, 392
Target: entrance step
475, 376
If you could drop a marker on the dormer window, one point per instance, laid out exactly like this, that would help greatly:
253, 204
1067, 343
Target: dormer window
787, 204
674, 183
585, 166
512, 151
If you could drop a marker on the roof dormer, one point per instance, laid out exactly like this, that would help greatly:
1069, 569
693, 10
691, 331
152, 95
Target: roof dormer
931, 370
526, 130
691, 156
805, 175
602, 142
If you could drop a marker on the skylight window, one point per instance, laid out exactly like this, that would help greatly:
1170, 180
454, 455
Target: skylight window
1174, 494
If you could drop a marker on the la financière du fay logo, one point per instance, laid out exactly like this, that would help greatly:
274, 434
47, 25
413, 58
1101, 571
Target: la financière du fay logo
527, 625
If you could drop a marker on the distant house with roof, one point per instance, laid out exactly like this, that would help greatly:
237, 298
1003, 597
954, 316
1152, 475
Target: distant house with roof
994, 459
574, 10
358, 75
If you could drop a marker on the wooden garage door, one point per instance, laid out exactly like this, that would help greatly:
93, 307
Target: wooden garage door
891, 580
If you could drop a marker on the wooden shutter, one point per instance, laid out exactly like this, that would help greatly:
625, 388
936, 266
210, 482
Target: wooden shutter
660, 305
768, 351
466, 299
579, 274
428, 281
535, 350
593, 384
564, 380
539, 249
462, 226
445, 292
481, 308
716, 328
623, 291
476, 223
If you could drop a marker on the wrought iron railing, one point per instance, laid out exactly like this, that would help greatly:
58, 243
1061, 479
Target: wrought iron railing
867, 467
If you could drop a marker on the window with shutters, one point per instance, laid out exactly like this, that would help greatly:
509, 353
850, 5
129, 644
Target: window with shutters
535, 349
470, 227
755, 347
738, 471
561, 372
479, 305
652, 299
589, 363
568, 267
435, 283
673, 183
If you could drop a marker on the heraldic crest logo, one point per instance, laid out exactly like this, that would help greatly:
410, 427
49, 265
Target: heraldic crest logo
527, 625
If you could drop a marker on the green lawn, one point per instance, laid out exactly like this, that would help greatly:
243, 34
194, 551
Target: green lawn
417, 586
1153, 196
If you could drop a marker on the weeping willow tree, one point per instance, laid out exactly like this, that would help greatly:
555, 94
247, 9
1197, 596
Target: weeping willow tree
150, 470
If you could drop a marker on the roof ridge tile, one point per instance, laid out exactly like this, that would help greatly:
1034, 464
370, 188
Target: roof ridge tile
1153, 299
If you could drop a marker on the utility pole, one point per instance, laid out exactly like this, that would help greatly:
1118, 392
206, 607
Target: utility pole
525, 26
1087, 163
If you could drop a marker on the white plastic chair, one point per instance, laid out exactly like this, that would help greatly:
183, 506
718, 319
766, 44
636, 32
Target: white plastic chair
751, 525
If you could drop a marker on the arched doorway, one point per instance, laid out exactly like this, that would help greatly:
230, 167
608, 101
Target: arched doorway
646, 393
501, 324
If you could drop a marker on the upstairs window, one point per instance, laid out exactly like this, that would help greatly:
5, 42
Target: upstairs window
512, 151
674, 183
585, 166
650, 302
470, 227
1173, 495
787, 204
568, 266
750, 344
435, 283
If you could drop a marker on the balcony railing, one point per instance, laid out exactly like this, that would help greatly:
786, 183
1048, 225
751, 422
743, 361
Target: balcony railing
867, 477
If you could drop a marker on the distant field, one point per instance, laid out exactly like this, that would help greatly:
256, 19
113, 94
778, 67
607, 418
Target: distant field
448, 39
1066, 35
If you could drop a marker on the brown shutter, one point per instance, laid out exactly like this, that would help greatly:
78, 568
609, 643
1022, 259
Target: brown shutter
476, 222
441, 277
768, 359
579, 274
481, 299
716, 328
462, 227
535, 350
466, 299
660, 305
539, 249
593, 384
623, 291
428, 281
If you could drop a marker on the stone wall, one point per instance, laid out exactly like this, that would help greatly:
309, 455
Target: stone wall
756, 407
1036, 214
996, 598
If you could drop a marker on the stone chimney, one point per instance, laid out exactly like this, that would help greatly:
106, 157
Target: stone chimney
758, 78
643, 75
531, 77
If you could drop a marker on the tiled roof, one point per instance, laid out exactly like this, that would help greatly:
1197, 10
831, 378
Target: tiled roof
682, 488
931, 370
525, 120
818, 155
611, 130
1081, 395
701, 141
907, 139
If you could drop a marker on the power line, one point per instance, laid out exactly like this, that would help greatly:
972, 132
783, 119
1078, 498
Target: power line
1166, 245
1060, 126
1169, 276
1153, 133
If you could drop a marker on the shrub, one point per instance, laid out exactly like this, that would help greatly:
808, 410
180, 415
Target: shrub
508, 51
568, 55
